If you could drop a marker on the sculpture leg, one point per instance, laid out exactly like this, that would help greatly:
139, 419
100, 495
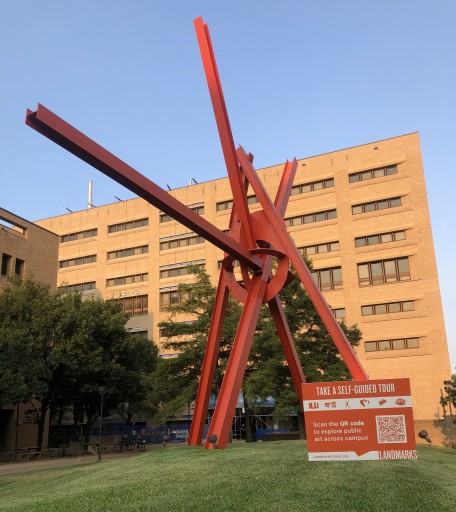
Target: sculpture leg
232, 381
209, 363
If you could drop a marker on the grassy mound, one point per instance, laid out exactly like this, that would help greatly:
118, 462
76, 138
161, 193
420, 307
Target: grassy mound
244, 477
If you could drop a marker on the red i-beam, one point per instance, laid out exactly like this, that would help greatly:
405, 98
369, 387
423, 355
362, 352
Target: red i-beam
254, 240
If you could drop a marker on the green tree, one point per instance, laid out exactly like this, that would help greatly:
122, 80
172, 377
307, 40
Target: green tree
176, 379
68, 347
267, 373
449, 399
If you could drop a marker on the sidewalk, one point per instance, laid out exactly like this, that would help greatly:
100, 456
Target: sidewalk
8, 468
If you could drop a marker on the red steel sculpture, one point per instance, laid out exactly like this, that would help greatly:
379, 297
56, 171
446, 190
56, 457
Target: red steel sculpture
254, 240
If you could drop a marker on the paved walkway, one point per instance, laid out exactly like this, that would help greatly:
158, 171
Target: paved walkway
61, 462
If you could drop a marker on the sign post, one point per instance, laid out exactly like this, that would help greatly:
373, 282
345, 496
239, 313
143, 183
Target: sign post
359, 420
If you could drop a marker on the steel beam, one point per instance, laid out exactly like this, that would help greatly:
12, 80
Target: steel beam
71, 139
224, 129
278, 225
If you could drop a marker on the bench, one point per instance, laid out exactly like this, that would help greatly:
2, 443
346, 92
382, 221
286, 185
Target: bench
28, 453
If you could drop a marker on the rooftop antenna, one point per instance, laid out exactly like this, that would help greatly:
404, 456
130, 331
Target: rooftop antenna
118, 199
71, 211
89, 199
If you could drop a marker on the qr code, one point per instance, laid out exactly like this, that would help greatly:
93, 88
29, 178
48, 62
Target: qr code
391, 429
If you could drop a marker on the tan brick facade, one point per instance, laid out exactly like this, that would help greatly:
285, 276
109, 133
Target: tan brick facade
30, 251
392, 273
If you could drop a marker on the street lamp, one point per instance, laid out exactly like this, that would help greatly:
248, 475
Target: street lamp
102, 390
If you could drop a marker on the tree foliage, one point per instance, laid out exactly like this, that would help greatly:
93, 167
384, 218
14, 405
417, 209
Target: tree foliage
267, 373
449, 399
58, 349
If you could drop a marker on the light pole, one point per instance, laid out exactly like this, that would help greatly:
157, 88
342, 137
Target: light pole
102, 390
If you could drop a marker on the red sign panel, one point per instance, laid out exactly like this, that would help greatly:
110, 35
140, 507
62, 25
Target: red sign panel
359, 420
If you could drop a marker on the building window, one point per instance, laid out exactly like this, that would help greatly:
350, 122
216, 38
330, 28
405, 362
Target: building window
131, 251
135, 306
312, 187
83, 260
224, 205
19, 267
373, 206
339, 313
124, 226
310, 218
328, 278
176, 241
309, 250
196, 207
384, 271
379, 172
178, 269
80, 235
389, 307
170, 297
6, 264
119, 281
396, 344
381, 238
79, 287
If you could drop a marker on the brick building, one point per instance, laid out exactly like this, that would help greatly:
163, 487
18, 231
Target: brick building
361, 215
27, 250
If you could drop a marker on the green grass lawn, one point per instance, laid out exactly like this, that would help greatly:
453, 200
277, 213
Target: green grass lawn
273, 476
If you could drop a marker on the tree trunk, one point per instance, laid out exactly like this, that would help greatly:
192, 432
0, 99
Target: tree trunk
41, 420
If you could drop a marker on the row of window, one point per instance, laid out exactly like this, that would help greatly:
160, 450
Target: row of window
382, 238
328, 278
383, 271
79, 287
125, 226
372, 206
178, 269
171, 297
119, 281
312, 187
7, 265
182, 241
113, 228
396, 344
308, 250
131, 251
80, 235
371, 273
388, 307
392, 236
309, 218
379, 172
83, 260
135, 306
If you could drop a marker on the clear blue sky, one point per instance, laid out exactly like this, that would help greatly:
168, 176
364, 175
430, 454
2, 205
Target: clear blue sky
300, 78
